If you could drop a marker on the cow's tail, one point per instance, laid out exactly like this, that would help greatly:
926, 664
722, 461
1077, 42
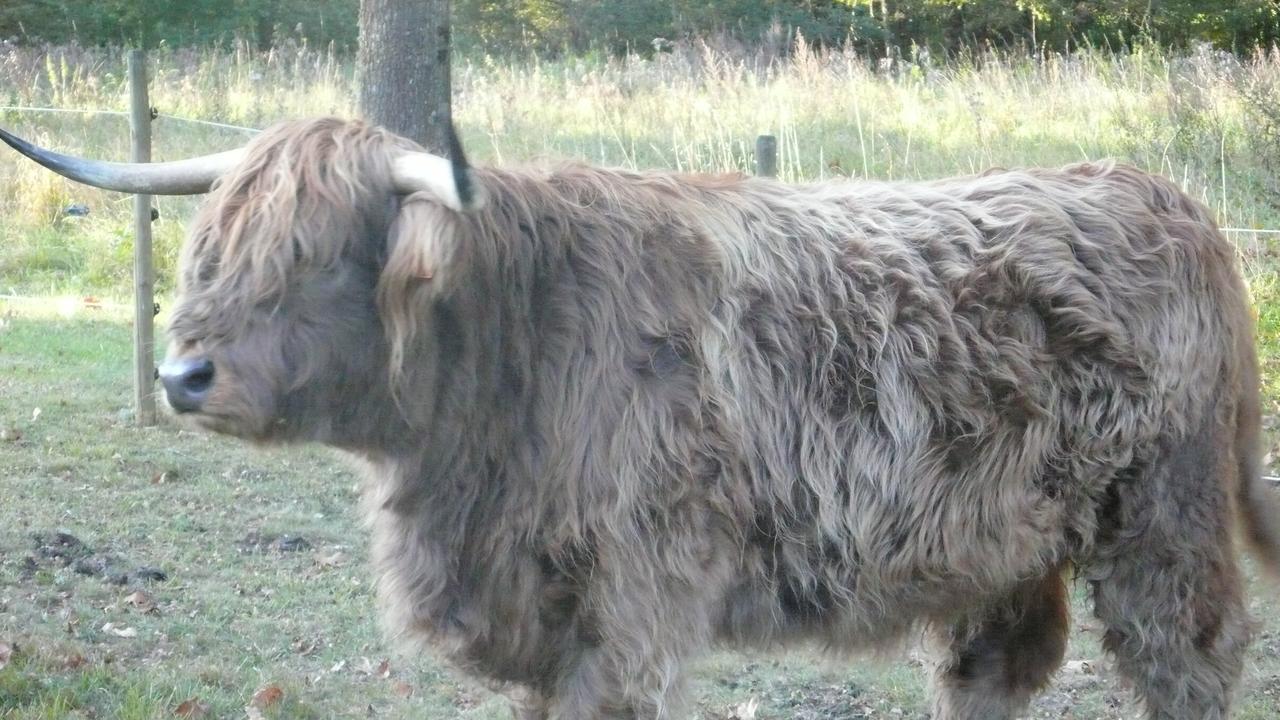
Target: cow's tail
1258, 508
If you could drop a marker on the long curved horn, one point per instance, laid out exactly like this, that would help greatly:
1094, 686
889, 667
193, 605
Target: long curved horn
448, 179
182, 177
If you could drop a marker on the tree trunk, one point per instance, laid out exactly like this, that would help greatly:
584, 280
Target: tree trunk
404, 68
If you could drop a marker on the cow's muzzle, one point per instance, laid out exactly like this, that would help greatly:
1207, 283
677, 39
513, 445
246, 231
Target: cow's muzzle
187, 382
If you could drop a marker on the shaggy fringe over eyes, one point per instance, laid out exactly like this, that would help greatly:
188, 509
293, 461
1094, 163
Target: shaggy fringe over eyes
306, 191
301, 196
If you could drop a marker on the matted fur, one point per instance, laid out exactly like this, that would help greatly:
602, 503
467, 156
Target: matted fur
612, 418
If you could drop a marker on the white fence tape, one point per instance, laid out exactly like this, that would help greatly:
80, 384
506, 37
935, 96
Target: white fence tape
210, 123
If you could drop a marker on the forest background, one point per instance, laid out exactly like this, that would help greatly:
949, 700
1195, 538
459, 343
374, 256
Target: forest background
503, 27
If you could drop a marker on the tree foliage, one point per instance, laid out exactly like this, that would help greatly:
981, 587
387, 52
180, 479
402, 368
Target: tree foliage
553, 26
148, 23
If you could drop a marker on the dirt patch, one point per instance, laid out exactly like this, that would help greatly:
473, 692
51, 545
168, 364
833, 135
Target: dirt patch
62, 549
1082, 689
779, 698
257, 542
818, 701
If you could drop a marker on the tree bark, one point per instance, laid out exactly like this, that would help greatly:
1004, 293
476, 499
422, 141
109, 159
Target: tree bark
404, 68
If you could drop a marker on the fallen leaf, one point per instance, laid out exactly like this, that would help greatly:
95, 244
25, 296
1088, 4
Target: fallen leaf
6, 654
141, 600
464, 700
745, 711
74, 661
306, 647
267, 696
1079, 667
331, 561
126, 632
402, 689
191, 708
384, 669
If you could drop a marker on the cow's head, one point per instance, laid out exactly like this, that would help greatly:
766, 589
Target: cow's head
281, 330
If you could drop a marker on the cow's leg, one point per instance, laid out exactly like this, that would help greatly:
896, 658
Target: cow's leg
593, 689
524, 711
988, 666
527, 704
651, 604
608, 685
635, 671
1165, 581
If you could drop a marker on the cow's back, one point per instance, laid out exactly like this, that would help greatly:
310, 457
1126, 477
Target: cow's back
930, 389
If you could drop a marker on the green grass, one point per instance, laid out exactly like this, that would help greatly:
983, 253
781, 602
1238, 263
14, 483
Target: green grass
233, 618
1265, 287
230, 619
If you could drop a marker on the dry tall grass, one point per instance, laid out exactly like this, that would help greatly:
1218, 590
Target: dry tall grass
1207, 119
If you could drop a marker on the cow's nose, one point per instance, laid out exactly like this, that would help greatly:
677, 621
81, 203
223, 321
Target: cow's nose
186, 382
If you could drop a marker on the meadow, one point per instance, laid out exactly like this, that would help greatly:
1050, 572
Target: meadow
266, 608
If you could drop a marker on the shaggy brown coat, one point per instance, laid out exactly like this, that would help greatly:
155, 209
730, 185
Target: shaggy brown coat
612, 418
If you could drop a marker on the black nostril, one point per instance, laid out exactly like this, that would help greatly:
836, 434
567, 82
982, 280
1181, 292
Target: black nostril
186, 382
199, 378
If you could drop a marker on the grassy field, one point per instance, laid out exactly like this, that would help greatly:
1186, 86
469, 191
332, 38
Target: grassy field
266, 588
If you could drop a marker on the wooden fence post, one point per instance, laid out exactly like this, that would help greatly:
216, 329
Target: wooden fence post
144, 399
767, 156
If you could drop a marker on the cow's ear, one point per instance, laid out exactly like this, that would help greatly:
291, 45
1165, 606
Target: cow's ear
423, 243
426, 255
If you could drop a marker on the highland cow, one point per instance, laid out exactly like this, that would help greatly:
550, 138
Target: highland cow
610, 418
